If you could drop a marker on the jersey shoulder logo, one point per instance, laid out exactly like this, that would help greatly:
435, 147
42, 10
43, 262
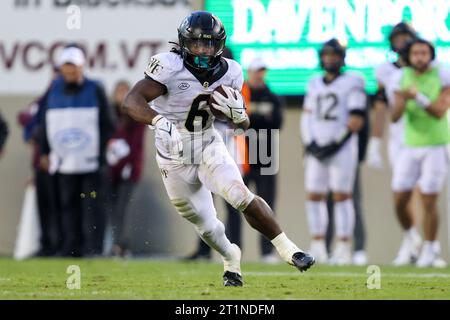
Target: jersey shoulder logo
154, 67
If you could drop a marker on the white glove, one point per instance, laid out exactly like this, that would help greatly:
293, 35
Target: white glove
233, 106
117, 150
169, 134
374, 159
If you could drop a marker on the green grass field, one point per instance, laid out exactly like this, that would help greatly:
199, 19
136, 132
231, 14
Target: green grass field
150, 279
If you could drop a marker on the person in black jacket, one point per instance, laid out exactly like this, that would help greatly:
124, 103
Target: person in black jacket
266, 117
3, 134
77, 124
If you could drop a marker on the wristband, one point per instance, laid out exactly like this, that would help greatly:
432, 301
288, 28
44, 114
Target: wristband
422, 100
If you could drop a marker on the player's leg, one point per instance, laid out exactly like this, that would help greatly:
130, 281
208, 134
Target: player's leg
402, 200
344, 215
343, 168
403, 204
405, 213
194, 202
431, 182
406, 172
232, 230
221, 175
316, 186
266, 189
260, 216
233, 226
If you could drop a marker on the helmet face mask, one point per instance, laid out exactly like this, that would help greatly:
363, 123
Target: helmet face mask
202, 38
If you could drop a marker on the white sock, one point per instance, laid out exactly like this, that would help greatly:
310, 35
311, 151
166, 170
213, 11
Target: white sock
285, 247
432, 246
413, 234
317, 214
344, 218
427, 246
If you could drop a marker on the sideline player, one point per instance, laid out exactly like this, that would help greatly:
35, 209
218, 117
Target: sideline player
179, 85
333, 113
400, 35
421, 97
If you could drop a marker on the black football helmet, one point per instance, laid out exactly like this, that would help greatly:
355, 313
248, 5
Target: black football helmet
201, 37
398, 29
332, 46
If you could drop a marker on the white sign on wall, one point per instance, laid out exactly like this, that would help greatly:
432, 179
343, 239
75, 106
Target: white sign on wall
119, 36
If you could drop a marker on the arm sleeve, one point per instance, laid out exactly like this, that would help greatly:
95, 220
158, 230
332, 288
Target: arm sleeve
3, 131
357, 98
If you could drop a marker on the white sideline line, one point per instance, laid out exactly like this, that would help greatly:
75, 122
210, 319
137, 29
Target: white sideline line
351, 274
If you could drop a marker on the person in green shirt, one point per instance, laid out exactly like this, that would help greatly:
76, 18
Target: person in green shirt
422, 97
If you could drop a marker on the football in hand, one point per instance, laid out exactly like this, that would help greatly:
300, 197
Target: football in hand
217, 113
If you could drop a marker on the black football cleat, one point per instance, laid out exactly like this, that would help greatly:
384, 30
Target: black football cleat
302, 261
232, 279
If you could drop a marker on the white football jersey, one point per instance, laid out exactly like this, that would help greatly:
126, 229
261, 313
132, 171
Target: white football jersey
330, 104
387, 75
186, 102
384, 72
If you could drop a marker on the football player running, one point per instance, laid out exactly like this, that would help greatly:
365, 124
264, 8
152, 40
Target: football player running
399, 36
422, 97
333, 113
190, 153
